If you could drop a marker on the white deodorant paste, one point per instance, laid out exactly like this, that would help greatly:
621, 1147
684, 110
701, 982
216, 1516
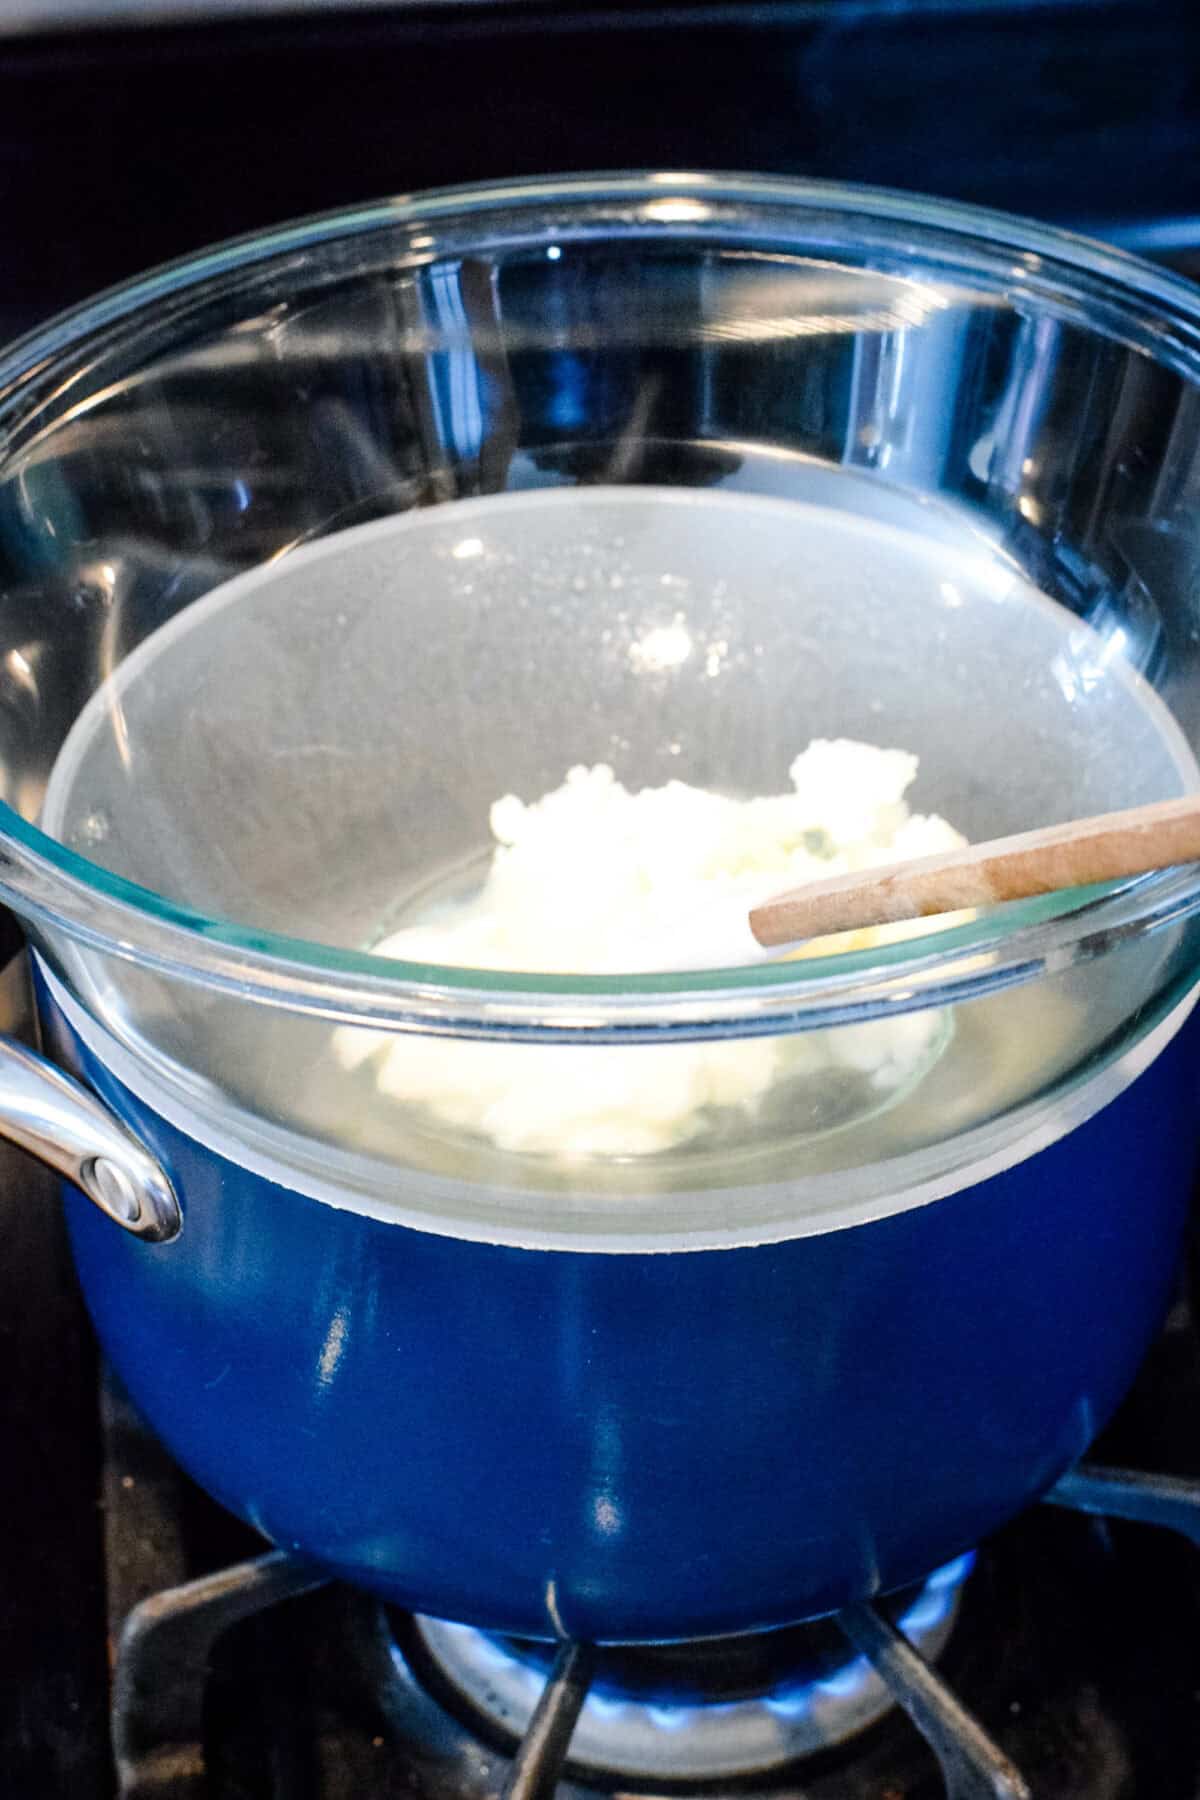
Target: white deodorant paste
594, 879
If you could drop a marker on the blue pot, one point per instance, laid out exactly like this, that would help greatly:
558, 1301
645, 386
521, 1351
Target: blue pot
638, 1447
326, 447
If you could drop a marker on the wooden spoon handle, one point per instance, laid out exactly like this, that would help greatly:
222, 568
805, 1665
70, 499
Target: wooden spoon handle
1102, 848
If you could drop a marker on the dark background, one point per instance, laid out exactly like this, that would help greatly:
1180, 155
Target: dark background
120, 148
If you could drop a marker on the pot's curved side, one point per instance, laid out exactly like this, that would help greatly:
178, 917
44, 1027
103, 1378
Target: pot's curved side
644, 1446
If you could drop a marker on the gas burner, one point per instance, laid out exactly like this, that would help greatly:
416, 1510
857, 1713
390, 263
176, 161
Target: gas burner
587, 1718
464, 1716
718, 1709
1067, 1653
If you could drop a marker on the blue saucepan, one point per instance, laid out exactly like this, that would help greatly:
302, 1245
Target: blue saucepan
317, 545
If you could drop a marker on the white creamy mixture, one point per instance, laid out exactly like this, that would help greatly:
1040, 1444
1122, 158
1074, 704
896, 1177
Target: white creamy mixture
593, 879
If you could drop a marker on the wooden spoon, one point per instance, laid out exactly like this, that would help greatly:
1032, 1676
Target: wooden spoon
1102, 848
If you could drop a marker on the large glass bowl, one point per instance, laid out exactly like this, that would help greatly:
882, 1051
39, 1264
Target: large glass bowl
461, 411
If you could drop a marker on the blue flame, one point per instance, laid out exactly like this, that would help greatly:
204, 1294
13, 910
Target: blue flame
606, 1706
790, 1702
667, 1718
952, 1574
792, 1699
932, 1605
789, 1699
845, 1681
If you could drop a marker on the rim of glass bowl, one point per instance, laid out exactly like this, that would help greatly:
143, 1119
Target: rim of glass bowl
58, 891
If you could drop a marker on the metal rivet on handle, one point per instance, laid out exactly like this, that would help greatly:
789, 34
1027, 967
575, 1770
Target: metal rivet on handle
114, 1190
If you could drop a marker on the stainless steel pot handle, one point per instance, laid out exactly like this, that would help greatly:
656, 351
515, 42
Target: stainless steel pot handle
61, 1123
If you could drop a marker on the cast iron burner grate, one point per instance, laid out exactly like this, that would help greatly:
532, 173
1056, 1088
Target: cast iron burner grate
167, 1643
1070, 1672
